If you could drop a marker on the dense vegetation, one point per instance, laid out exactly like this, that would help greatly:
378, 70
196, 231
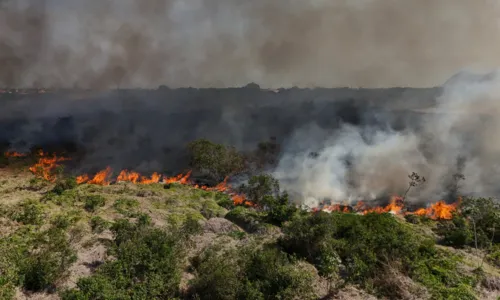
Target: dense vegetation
177, 242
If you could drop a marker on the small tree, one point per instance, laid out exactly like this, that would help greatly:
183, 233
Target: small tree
264, 191
484, 215
214, 160
415, 180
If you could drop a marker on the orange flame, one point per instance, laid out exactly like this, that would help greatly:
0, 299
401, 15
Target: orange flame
46, 165
82, 178
14, 154
155, 178
101, 178
128, 176
439, 210
180, 179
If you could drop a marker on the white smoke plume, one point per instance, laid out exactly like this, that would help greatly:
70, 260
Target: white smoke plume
457, 136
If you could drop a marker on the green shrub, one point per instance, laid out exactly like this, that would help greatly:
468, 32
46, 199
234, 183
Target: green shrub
126, 206
455, 232
28, 212
494, 255
36, 184
484, 220
7, 289
247, 218
144, 220
224, 200
210, 209
48, 260
440, 274
98, 224
249, 273
64, 184
213, 160
148, 265
237, 235
363, 246
92, 202
264, 192
64, 221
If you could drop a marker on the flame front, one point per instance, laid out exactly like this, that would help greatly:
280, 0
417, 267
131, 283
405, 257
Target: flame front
128, 176
14, 154
436, 211
46, 165
439, 210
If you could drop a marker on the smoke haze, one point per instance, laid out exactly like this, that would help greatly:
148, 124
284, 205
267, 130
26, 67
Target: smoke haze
457, 136
132, 43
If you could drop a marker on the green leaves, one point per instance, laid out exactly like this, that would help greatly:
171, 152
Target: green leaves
214, 160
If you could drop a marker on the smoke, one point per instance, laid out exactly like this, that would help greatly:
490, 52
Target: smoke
132, 43
457, 136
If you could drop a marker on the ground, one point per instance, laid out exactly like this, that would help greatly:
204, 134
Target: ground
168, 205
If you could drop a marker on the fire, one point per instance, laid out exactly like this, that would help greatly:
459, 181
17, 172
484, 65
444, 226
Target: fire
155, 178
14, 154
82, 178
439, 210
101, 178
46, 166
181, 179
128, 176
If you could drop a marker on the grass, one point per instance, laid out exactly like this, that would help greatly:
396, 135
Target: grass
59, 224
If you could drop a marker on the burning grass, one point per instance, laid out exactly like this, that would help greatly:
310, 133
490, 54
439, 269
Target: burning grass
436, 211
48, 166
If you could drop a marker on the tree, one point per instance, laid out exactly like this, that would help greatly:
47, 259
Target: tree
214, 160
484, 215
415, 180
264, 192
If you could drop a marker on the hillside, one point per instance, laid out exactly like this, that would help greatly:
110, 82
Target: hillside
172, 240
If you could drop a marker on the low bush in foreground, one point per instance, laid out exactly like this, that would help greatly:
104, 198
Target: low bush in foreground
250, 273
148, 264
34, 260
361, 248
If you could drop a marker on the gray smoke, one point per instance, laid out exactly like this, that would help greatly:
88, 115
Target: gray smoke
458, 135
132, 43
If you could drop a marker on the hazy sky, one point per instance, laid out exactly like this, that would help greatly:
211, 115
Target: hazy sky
278, 43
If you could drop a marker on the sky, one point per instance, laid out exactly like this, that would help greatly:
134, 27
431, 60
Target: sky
223, 43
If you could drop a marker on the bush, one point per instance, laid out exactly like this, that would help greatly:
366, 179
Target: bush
64, 221
64, 184
250, 273
223, 200
456, 232
210, 209
126, 206
36, 184
246, 218
98, 224
360, 247
92, 202
148, 265
484, 220
494, 256
215, 161
28, 212
264, 192
48, 260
